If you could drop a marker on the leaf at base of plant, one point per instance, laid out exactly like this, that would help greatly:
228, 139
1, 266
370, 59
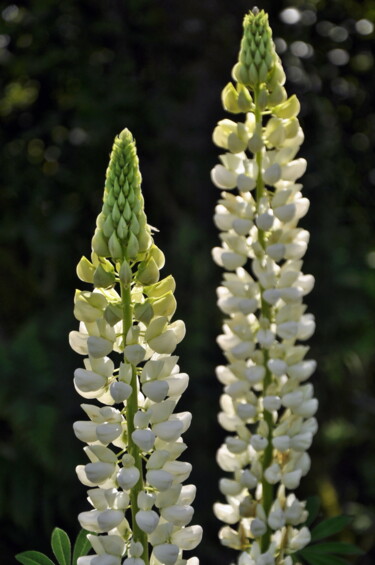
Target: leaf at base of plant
330, 547
317, 559
312, 507
61, 546
330, 527
33, 558
81, 547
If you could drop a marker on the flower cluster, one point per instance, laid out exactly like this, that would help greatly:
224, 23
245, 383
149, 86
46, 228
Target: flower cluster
268, 406
132, 433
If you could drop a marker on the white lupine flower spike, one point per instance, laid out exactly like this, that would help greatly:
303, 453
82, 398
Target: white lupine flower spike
140, 509
267, 407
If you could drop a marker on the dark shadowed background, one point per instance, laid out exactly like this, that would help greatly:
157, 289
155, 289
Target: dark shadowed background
73, 74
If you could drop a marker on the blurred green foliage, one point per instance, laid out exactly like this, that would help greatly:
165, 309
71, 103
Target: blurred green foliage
73, 74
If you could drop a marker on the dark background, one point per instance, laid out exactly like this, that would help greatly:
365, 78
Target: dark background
73, 74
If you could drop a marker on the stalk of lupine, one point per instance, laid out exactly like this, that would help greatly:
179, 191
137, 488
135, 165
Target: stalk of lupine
133, 435
267, 406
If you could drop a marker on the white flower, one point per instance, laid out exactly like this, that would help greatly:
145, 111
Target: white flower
156, 390
99, 471
273, 473
160, 479
145, 439
187, 538
167, 553
258, 442
230, 487
258, 528
128, 477
223, 178
88, 381
300, 539
226, 513
147, 520
146, 500
292, 479
179, 515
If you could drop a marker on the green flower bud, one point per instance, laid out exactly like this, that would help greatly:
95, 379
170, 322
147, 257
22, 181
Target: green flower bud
125, 273
122, 230
113, 314
144, 312
99, 243
104, 276
277, 75
148, 272
132, 247
262, 97
115, 247
245, 102
277, 96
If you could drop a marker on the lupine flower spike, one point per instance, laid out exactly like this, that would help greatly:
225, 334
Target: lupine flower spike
268, 406
132, 433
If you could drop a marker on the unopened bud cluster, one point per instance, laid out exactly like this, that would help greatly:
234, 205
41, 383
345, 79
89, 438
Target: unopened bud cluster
268, 405
257, 55
122, 226
132, 433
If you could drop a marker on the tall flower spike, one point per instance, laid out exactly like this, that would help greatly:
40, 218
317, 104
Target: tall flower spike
268, 406
133, 435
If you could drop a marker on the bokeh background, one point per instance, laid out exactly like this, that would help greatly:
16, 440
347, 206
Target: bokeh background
73, 74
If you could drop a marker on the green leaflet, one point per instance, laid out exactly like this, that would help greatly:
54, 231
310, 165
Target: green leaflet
312, 507
324, 553
33, 558
322, 559
61, 546
329, 527
81, 547
333, 547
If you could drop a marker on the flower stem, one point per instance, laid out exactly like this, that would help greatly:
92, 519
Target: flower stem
131, 409
267, 488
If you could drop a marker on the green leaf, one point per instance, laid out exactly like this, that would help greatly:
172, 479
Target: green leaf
315, 559
312, 507
330, 527
61, 546
335, 547
33, 558
82, 546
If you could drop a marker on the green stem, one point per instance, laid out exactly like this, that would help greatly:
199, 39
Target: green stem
131, 409
267, 488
